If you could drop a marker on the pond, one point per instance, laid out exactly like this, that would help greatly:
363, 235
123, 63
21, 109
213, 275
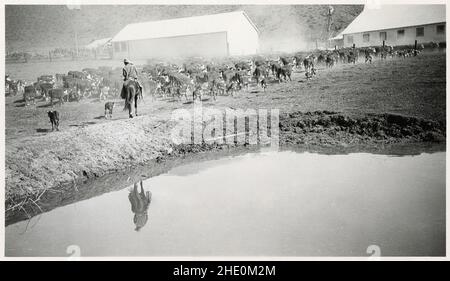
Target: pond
265, 204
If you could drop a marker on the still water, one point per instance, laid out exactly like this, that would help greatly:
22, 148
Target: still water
257, 204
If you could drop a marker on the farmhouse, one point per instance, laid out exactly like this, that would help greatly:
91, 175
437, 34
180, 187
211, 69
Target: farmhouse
396, 25
217, 35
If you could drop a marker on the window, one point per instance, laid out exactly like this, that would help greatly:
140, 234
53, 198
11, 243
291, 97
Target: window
366, 37
124, 46
419, 32
350, 39
383, 36
400, 33
440, 29
117, 47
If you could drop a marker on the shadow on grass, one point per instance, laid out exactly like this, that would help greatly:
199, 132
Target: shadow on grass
43, 130
84, 124
47, 105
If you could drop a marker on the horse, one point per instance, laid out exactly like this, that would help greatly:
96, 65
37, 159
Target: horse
133, 92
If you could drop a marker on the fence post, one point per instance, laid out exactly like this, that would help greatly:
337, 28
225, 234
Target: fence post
384, 42
415, 47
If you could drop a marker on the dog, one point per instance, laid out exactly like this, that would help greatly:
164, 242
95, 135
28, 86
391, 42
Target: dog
109, 106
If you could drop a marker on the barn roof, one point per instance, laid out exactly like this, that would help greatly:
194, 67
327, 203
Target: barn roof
395, 16
181, 26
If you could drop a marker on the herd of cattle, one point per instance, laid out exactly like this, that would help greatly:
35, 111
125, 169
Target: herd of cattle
197, 77
74, 86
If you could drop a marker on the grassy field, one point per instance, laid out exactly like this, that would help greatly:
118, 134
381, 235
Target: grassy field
412, 87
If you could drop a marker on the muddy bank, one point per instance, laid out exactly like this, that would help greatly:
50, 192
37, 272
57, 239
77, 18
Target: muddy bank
57, 162
334, 129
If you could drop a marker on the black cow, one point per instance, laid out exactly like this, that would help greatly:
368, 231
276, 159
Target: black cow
29, 94
297, 61
284, 60
59, 94
242, 66
44, 88
308, 63
321, 58
285, 71
260, 75
352, 57
77, 74
54, 119
232, 80
260, 62
330, 60
274, 67
46, 78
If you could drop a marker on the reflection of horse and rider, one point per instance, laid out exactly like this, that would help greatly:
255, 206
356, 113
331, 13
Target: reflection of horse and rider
140, 201
132, 89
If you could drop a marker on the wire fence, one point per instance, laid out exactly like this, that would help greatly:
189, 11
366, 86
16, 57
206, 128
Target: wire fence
59, 55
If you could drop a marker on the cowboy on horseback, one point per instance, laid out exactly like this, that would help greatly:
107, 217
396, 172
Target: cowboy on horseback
129, 72
130, 78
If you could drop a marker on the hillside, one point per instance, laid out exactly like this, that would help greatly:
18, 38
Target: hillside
39, 28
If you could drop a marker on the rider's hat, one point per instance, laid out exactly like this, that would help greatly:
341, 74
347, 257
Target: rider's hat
126, 61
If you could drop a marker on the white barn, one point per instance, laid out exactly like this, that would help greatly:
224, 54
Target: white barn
217, 35
396, 25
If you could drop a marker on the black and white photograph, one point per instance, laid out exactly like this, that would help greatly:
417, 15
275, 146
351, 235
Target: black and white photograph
224, 131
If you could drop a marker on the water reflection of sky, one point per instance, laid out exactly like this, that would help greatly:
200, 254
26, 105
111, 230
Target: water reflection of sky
266, 204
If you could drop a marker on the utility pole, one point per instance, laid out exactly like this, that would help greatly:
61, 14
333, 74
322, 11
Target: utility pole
329, 23
76, 42
75, 8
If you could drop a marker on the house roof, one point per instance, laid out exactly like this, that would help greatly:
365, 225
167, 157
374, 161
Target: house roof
395, 16
340, 36
181, 26
98, 43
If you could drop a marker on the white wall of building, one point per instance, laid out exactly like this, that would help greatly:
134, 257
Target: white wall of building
206, 45
240, 38
243, 38
430, 35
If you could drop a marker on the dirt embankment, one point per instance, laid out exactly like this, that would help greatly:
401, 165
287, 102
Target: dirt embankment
52, 162
331, 128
